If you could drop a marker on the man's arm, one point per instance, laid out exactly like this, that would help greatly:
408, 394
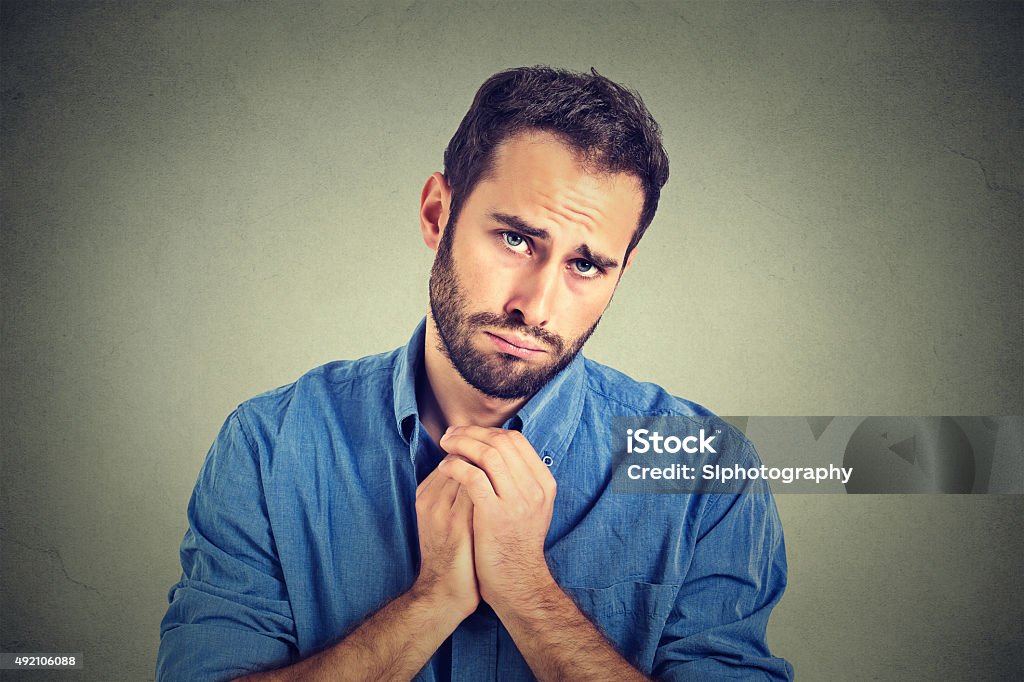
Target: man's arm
397, 641
230, 614
560, 643
513, 498
739, 551
393, 644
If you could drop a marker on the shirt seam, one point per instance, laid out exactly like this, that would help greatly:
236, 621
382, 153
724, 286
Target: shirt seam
635, 408
245, 426
356, 375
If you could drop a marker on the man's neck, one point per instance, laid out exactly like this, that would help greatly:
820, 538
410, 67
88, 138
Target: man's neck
445, 399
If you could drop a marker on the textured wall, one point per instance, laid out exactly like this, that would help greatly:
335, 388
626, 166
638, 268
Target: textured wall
202, 201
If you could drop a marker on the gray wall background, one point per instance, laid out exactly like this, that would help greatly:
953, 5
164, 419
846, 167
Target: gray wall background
202, 201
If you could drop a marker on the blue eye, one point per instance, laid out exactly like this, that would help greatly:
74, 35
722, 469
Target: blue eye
586, 269
515, 242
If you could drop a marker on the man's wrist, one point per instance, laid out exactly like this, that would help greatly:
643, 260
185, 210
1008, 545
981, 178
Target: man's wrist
558, 641
438, 604
535, 602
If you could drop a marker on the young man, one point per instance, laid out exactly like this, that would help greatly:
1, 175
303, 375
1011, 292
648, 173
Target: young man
444, 511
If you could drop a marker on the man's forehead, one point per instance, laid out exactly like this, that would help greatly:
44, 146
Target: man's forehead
537, 144
537, 168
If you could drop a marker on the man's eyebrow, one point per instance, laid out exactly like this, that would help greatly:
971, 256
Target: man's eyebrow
519, 225
603, 262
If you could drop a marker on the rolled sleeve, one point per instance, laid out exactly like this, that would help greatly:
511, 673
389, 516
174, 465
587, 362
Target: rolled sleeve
716, 629
229, 615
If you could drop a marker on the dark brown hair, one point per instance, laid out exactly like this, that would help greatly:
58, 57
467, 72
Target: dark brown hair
605, 122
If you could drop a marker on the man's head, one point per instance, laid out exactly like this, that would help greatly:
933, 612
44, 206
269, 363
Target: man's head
551, 180
606, 123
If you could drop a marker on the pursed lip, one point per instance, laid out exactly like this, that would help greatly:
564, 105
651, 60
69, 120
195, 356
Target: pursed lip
517, 342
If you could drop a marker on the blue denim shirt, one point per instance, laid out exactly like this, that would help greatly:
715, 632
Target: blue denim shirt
302, 524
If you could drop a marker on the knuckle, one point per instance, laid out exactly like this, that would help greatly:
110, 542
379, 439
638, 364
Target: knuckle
504, 436
490, 457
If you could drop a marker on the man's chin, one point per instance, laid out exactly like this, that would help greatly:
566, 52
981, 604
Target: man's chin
523, 368
509, 378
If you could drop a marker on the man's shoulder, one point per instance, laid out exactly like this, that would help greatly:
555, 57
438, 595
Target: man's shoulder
354, 382
615, 394
628, 396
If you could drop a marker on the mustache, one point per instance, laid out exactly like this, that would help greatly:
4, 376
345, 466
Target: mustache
505, 322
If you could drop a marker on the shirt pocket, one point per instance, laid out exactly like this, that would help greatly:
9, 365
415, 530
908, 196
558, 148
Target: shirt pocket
631, 615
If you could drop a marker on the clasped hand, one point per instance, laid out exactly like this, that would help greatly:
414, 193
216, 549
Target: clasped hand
483, 515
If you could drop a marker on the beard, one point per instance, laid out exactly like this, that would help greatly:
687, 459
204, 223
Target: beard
498, 375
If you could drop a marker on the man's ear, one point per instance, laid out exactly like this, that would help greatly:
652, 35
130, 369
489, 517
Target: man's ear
435, 207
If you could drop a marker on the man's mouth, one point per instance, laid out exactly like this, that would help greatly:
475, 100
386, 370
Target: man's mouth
514, 345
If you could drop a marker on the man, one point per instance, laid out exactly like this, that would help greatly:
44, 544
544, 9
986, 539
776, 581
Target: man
444, 511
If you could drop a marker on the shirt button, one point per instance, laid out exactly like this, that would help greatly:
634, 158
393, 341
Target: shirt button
547, 460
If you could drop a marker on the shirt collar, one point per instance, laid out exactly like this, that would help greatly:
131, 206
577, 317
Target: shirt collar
548, 420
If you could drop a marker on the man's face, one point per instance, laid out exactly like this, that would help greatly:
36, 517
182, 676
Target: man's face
520, 286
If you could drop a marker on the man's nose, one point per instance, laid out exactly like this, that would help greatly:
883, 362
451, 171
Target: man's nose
533, 298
